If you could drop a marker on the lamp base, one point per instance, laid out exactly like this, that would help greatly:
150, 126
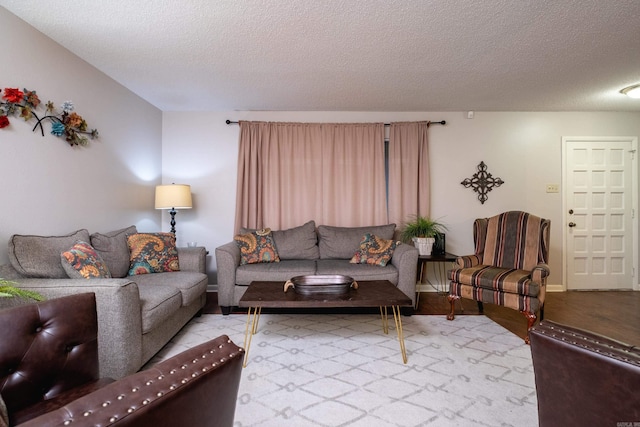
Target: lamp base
173, 212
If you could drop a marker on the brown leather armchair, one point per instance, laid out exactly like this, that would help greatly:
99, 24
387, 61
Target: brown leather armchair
584, 379
49, 374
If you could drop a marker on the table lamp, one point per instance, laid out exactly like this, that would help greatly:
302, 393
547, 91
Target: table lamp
173, 196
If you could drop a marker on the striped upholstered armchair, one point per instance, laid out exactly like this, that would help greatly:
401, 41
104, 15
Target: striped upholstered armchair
509, 267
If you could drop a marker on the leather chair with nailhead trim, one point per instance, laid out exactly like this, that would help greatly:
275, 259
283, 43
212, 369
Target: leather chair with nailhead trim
583, 378
49, 374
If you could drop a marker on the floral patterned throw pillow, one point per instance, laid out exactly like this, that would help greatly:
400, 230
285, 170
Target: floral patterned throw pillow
82, 261
256, 247
374, 250
152, 253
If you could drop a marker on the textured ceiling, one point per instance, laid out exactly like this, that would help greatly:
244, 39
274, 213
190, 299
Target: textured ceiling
355, 55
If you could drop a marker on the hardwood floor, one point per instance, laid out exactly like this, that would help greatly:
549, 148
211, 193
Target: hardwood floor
615, 314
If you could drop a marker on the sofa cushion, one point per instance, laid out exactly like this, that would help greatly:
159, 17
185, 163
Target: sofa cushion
282, 271
191, 284
374, 251
39, 256
256, 247
152, 253
295, 243
507, 280
114, 250
157, 303
357, 271
343, 242
82, 261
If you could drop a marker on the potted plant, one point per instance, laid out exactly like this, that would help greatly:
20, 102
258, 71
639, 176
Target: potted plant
422, 231
9, 290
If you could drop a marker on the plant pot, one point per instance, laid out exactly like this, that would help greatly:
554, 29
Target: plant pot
424, 244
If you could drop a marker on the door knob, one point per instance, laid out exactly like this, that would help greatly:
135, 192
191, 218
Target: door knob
572, 224
570, 211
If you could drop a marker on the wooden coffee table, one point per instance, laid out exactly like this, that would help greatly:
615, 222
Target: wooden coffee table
373, 293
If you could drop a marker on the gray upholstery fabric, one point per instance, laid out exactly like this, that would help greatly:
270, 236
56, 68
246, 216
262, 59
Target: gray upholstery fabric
158, 303
343, 242
295, 243
191, 284
337, 246
357, 271
283, 270
113, 249
39, 256
298, 242
122, 346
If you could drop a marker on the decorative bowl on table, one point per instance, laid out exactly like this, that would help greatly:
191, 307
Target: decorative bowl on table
321, 284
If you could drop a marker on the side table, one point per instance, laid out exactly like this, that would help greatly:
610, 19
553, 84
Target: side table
439, 262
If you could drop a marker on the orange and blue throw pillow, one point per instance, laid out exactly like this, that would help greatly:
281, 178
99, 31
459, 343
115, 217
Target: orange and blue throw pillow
82, 261
152, 253
374, 250
257, 246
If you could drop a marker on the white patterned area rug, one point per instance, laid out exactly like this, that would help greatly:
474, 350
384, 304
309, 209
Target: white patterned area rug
341, 370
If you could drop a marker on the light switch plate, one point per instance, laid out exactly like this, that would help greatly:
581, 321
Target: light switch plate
553, 188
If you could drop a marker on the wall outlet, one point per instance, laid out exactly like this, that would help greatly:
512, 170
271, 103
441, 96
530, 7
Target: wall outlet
553, 188
470, 114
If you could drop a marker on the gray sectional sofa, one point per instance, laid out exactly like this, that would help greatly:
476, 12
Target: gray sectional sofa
304, 250
137, 315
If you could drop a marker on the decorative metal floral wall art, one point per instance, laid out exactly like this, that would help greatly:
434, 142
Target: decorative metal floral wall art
65, 123
482, 182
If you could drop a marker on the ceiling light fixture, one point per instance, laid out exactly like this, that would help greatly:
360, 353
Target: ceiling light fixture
632, 91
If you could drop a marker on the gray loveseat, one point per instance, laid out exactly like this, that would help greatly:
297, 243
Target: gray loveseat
304, 250
137, 315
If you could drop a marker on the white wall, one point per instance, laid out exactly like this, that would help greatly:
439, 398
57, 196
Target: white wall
51, 188
524, 149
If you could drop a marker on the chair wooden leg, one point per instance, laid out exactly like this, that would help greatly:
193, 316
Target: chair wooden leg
531, 319
452, 300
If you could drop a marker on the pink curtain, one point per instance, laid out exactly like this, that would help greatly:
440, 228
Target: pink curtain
290, 173
409, 193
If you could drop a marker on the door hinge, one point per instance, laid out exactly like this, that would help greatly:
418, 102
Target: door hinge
633, 154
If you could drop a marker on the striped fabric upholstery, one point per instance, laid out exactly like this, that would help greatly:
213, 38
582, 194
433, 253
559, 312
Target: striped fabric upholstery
496, 278
509, 264
514, 301
515, 240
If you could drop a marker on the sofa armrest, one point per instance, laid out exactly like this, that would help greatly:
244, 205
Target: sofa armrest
119, 320
193, 259
467, 261
405, 259
227, 260
196, 387
583, 378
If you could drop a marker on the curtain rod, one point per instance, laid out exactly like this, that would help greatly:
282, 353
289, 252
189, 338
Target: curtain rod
441, 122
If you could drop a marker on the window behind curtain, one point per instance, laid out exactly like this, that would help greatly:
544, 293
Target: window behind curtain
290, 173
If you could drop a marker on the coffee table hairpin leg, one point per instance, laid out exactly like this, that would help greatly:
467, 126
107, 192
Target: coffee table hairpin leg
249, 334
398, 321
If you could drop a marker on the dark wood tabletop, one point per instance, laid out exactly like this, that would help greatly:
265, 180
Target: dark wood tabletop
370, 293
446, 257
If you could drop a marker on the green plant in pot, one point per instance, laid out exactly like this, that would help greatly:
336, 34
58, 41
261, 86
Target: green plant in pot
422, 231
8, 289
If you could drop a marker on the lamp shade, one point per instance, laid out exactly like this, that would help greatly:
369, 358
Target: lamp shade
172, 196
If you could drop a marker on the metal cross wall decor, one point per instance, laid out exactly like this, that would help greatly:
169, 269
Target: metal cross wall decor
482, 182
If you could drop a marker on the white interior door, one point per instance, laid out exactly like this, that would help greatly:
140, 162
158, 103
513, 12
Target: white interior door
599, 200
